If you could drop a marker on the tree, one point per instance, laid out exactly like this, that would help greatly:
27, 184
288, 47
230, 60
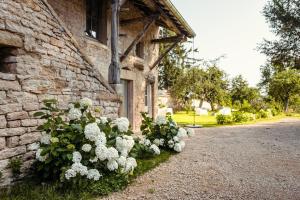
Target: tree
284, 86
284, 19
214, 86
173, 65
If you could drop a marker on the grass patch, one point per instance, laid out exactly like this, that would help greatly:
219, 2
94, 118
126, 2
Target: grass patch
184, 118
30, 189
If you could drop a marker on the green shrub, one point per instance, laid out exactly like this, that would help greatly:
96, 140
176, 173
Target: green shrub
164, 132
239, 117
224, 119
77, 148
264, 114
15, 165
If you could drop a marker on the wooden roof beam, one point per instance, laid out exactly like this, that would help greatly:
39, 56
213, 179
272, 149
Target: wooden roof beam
168, 39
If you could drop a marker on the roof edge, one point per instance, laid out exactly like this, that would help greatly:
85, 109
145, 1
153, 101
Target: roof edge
180, 18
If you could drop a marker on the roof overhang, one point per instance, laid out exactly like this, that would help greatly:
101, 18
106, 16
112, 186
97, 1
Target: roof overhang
170, 16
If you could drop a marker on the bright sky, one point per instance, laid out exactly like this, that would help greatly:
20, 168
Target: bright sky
230, 27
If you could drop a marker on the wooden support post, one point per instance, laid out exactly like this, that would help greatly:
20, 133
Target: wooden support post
114, 68
165, 53
138, 38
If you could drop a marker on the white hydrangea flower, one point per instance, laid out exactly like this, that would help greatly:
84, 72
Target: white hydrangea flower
177, 147
124, 144
70, 173
39, 157
176, 139
101, 152
161, 142
155, 149
76, 157
79, 168
45, 139
93, 160
74, 114
112, 165
86, 102
190, 132
160, 120
181, 133
92, 132
171, 143
156, 142
103, 120
34, 146
93, 174
147, 142
130, 165
54, 140
112, 153
101, 139
121, 161
86, 148
122, 124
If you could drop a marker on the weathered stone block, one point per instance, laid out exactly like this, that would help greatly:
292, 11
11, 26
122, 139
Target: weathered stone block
29, 122
12, 131
29, 138
12, 141
56, 42
17, 115
11, 152
3, 164
8, 77
31, 106
8, 108
2, 143
9, 85
2, 121
29, 155
14, 124
10, 39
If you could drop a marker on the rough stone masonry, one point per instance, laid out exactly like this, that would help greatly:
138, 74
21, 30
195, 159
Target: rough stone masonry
39, 60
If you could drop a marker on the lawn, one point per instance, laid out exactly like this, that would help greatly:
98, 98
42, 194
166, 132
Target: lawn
184, 118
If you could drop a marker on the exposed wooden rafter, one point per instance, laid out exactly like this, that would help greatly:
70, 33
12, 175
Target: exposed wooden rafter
139, 37
135, 20
168, 39
163, 54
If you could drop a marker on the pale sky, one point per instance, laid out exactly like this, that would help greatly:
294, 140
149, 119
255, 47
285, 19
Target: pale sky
231, 27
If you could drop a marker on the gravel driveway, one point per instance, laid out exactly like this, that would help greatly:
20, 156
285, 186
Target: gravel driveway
239, 162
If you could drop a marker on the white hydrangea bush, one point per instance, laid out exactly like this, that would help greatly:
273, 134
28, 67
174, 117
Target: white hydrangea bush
76, 145
164, 133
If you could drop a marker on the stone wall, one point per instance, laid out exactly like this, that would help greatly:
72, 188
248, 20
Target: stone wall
40, 60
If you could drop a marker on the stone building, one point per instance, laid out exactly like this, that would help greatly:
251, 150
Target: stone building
69, 49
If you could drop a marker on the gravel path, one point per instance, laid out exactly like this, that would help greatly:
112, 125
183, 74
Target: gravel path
240, 162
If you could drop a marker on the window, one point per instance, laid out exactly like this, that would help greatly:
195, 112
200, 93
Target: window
139, 50
8, 63
96, 19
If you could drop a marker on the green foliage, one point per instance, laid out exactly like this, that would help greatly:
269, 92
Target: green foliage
66, 137
264, 114
166, 131
284, 85
15, 165
240, 117
1, 175
224, 119
32, 189
284, 19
